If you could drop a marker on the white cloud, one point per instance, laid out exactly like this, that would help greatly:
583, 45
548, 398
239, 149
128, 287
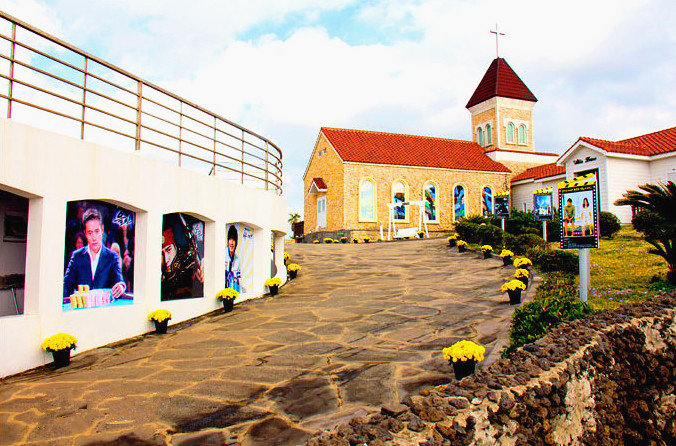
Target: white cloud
601, 69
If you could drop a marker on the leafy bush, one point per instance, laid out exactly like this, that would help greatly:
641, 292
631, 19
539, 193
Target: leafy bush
609, 224
467, 230
548, 260
522, 243
555, 301
475, 218
522, 222
489, 235
554, 229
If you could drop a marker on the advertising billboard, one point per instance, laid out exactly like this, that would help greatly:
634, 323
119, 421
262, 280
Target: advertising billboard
543, 204
182, 257
579, 213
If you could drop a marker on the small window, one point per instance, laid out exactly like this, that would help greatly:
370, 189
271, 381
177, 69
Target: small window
522, 134
510, 133
399, 196
430, 199
367, 199
458, 202
489, 135
480, 136
486, 201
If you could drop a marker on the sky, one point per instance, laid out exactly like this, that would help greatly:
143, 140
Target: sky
285, 68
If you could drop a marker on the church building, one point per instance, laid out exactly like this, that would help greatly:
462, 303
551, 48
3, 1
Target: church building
353, 175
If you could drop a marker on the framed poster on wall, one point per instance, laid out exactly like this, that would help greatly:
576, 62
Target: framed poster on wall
98, 255
182, 257
502, 208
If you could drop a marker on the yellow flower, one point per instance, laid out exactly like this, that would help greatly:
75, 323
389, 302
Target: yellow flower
336, 240
521, 272
227, 294
355, 239
463, 351
366, 237
59, 341
506, 253
276, 281
522, 261
315, 241
487, 248
159, 315
451, 237
462, 243
286, 256
512, 285
293, 267
343, 238
328, 240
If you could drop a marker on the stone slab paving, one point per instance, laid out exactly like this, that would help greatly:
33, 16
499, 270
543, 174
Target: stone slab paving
362, 326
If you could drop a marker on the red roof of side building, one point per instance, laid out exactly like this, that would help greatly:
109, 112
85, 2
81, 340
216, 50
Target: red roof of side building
362, 146
538, 172
319, 182
656, 143
500, 80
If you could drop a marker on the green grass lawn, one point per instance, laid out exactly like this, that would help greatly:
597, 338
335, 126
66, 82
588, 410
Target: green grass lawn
622, 269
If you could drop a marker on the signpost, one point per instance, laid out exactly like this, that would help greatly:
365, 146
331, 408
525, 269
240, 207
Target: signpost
579, 222
543, 208
502, 208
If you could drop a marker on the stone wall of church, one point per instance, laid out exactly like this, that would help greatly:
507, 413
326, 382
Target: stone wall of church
487, 116
415, 178
516, 114
329, 167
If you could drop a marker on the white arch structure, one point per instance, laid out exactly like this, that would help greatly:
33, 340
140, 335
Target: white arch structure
406, 232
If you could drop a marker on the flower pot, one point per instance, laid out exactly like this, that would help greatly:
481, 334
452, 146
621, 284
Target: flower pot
366, 241
463, 369
462, 248
293, 274
420, 235
507, 260
343, 241
61, 357
524, 280
487, 255
451, 243
228, 305
514, 296
355, 241
273, 290
161, 327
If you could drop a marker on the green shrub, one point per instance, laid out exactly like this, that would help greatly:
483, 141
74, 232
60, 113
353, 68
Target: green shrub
475, 218
555, 301
522, 243
468, 227
487, 234
548, 260
554, 229
609, 224
522, 222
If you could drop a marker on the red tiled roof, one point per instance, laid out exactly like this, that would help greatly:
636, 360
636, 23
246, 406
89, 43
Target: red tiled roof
654, 143
538, 172
362, 146
319, 183
500, 80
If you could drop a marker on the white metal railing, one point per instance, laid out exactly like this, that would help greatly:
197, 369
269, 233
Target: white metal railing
47, 81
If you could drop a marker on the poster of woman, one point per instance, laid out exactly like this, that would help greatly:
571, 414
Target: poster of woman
98, 255
239, 257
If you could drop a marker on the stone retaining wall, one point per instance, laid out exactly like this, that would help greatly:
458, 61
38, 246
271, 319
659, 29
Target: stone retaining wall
605, 380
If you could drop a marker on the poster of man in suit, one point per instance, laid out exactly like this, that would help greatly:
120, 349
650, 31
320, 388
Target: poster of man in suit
99, 255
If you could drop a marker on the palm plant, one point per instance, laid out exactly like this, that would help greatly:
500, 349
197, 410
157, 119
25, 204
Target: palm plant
658, 201
293, 218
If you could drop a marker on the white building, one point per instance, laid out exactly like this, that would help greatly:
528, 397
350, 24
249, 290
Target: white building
100, 135
619, 166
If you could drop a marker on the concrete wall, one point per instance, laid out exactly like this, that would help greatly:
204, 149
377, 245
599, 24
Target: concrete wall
52, 170
607, 379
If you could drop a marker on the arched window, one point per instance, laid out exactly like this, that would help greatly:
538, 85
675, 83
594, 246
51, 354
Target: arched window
510, 133
522, 134
430, 199
489, 135
367, 200
480, 136
399, 196
458, 202
486, 201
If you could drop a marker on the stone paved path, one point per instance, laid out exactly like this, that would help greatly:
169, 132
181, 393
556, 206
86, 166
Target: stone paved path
362, 326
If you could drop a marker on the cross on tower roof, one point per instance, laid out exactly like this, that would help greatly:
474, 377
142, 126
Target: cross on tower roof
497, 34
